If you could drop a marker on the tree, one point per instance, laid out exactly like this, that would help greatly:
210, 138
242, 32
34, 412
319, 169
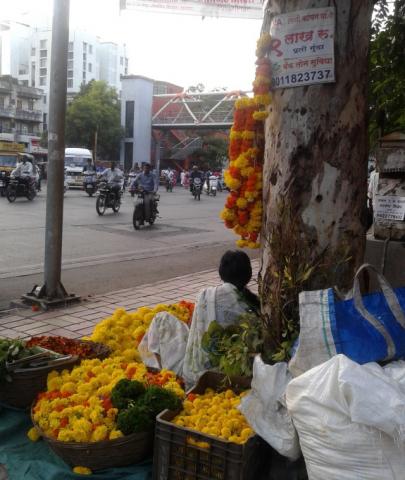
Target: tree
213, 152
314, 175
96, 108
387, 72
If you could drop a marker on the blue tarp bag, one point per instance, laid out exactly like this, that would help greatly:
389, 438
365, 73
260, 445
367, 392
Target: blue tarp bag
366, 329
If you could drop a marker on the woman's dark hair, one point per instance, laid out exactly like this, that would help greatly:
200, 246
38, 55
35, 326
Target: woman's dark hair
235, 268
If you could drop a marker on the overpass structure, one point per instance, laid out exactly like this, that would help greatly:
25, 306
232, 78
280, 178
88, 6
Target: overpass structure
186, 111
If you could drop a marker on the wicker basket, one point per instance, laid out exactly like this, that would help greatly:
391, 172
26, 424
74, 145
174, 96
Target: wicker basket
25, 385
105, 454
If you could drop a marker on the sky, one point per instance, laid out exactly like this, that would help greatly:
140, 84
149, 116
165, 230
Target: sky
182, 49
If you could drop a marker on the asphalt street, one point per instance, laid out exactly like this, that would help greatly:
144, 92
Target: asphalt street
103, 254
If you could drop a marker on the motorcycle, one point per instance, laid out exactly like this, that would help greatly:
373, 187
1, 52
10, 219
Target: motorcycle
4, 179
17, 188
139, 216
197, 187
90, 184
213, 184
106, 198
169, 184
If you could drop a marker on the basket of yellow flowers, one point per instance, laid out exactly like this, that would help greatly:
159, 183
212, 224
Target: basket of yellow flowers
209, 437
102, 413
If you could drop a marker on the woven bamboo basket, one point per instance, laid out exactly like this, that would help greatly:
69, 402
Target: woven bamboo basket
119, 452
25, 385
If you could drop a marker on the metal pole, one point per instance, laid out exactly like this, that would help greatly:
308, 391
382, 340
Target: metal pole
56, 150
157, 155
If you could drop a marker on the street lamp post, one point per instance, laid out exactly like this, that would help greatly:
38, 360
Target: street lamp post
53, 292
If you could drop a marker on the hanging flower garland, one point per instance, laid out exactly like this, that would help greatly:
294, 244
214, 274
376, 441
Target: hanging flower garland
244, 207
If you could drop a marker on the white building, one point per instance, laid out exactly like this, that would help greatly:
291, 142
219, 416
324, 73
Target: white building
25, 53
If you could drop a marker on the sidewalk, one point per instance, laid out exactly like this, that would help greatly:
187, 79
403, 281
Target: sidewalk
79, 320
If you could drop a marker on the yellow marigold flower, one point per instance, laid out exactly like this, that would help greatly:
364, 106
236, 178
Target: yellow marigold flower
82, 470
115, 434
33, 434
99, 434
241, 203
260, 115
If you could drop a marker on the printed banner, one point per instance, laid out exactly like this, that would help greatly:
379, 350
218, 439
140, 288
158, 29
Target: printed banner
302, 50
203, 8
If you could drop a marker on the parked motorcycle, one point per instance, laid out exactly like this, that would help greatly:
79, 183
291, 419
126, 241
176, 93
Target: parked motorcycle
18, 188
213, 184
197, 187
139, 217
106, 198
90, 184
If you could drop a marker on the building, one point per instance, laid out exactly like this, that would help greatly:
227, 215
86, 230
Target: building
26, 54
20, 114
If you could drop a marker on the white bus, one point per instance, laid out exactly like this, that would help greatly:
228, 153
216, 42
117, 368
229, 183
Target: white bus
75, 160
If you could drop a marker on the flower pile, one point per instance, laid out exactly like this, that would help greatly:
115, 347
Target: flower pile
77, 405
123, 331
244, 176
215, 414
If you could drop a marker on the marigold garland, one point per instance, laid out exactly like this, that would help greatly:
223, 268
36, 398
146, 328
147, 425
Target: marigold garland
243, 208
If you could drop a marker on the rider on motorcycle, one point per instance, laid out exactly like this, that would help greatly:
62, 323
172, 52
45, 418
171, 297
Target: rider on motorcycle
195, 173
114, 178
149, 184
24, 172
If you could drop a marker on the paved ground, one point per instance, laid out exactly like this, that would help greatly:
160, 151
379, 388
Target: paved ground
101, 254
79, 320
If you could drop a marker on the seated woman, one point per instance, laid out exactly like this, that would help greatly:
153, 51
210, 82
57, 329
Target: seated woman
169, 343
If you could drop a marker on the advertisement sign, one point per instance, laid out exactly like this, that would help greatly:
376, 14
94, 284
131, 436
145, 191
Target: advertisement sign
389, 207
203, 8
12, 147
302, 51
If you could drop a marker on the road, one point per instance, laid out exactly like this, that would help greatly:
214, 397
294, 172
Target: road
102, 254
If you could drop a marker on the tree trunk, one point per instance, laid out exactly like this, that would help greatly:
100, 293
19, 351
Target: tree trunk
315, 171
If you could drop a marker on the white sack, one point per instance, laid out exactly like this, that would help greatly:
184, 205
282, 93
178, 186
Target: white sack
166, 337
265, 409
350, 420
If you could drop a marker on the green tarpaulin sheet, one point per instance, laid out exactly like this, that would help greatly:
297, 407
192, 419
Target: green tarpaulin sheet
26, 460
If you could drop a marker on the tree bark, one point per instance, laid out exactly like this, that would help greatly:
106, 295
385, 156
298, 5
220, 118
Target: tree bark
315, 168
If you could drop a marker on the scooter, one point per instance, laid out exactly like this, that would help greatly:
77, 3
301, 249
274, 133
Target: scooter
90, 184
139, 216
213, 182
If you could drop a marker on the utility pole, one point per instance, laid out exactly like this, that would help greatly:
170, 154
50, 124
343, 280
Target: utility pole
53, 292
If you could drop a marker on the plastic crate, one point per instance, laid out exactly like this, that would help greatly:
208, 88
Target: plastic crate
176, 457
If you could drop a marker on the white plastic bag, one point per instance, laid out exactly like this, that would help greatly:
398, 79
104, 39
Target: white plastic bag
350, 420
265, 410
165, 339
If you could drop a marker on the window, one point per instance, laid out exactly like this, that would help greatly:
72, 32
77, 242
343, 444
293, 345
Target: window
84, 47
70, 73
70, 48
43, 62
19, 104
1, 102
30, 128
33, 82
25, 83
30, 104
70, 64
129, 118
128, 154
42, 44
43, 53
84, 77
126, 71
121, 60
126, 62
84, 66
32, 51
42, 81
70, 83
70, 55
84, 57
90, 67
44, 99
91, 49
42, 72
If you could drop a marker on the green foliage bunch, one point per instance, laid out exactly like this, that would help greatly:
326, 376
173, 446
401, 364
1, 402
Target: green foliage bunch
96, 108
